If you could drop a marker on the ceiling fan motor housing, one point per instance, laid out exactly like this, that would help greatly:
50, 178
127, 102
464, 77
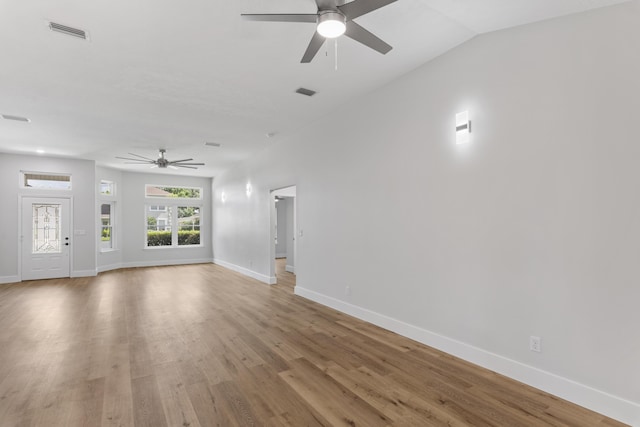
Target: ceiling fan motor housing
162, 162
331, 23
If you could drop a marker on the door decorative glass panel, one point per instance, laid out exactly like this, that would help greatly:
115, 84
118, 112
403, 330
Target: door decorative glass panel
46, 229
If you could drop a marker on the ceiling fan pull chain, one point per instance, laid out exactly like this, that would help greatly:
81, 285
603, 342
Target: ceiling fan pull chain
336, 50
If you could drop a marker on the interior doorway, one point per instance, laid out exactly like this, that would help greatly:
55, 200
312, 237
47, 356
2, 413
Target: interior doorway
283, 235
45, 237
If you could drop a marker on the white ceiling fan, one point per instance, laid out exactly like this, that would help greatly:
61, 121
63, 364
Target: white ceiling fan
332, 20
161, 162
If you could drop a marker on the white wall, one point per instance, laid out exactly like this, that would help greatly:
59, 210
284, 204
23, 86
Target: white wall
133, 228
82, 175
87, 259
533, 229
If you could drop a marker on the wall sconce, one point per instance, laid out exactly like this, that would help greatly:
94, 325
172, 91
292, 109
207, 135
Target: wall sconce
223, 197
463, 128
249, 189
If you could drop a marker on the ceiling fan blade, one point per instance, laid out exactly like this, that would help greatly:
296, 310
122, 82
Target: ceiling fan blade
138, 163
326, 4
183, 160
135, 160
314, 46
142, 157
363, 36
358, 8
182, 163
186, 167
281, 17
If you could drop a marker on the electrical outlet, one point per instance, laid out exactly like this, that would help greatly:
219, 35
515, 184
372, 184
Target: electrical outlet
535, 344
347, 291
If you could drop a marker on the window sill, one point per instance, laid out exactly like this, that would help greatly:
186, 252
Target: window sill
153, 248
106, 251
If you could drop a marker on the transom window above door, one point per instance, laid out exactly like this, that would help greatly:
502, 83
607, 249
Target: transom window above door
46, 181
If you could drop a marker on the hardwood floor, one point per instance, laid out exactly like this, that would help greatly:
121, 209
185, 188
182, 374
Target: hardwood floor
200, 345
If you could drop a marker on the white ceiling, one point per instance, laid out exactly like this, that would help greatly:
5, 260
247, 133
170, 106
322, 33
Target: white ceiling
174, 74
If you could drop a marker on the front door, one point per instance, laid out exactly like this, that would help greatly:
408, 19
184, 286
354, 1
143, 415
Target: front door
45, 238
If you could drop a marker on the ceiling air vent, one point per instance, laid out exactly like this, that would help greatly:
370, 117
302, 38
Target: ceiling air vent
212, 144
70, 31
16, 118
304, 91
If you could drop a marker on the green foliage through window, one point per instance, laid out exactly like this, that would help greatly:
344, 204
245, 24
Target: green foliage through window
158, 238
163, 238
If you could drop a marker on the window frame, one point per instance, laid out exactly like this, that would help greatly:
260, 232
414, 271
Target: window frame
159, 186
112, 225
199, 225
174, 203
24, 174
168, 222
111, 184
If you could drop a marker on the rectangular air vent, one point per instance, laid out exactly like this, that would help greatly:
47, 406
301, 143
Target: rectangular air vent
212, 144
70, 31
304, 91
16, 118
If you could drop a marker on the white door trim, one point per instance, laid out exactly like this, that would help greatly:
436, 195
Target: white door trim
21, 198
272, 230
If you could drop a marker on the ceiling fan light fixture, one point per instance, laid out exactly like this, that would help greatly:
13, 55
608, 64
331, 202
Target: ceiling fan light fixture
331, 24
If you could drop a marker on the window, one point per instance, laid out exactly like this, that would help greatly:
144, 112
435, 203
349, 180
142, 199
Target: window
107, 188
107, 215
188, 225
173, 192
159, 231
107, 212
46, 181
176, 222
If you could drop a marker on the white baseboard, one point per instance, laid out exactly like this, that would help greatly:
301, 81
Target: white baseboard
84, 273
9, 279
290, 269
103, 268
156, 263
135, 264
580, 394
281, 255
261, 277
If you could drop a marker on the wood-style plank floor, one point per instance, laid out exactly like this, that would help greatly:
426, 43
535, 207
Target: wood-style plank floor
200, 345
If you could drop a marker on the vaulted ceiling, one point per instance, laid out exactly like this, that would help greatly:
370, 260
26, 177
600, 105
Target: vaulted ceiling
174, 75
